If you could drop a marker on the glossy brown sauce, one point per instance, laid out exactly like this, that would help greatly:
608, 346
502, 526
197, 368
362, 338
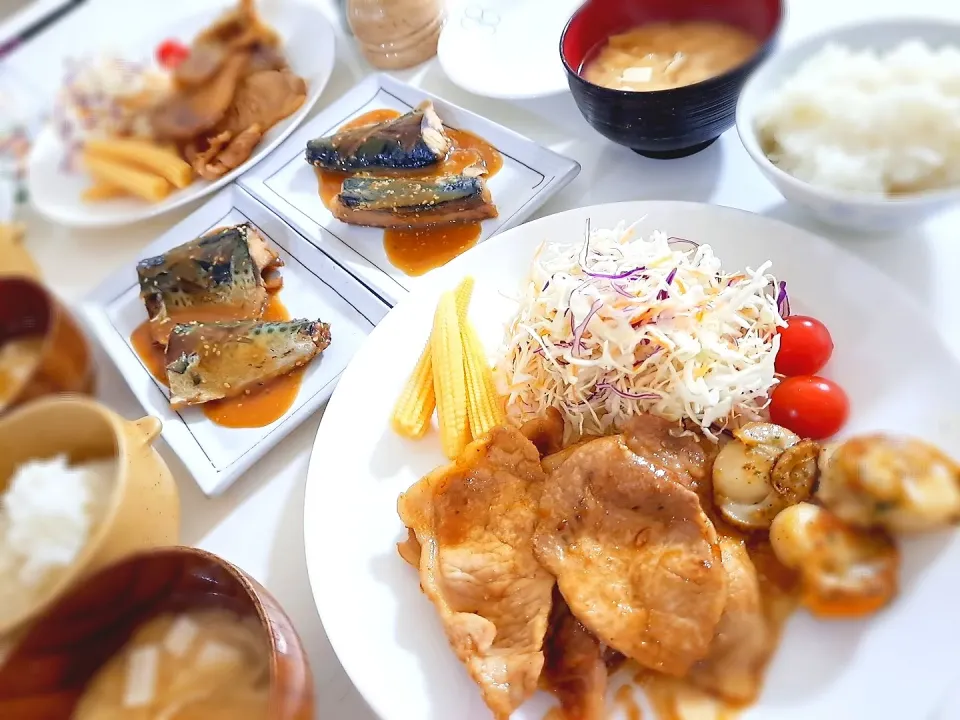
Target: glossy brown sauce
675, 699
662, 56
256, 408
420, 250
624, 698
417, 251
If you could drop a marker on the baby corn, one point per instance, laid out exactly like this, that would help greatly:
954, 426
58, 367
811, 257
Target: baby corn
464, 292
412, 413
483, 404
449, 379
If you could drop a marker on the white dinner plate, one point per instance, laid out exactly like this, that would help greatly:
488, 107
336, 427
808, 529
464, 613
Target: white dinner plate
314, 287
309, 45
893, 364
506, 49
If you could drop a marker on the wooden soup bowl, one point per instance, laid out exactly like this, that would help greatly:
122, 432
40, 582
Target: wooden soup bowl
27, 309
47, 671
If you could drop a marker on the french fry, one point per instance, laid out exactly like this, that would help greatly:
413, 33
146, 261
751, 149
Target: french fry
483, 405
143, 155
100, 191
136, 182
449, 380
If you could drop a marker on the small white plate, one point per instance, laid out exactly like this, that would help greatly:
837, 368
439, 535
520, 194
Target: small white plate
309, 44
288, 184
506, 49
892, 362
314, 287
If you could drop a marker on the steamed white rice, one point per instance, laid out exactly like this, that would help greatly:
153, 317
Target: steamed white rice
47, 515
868, 122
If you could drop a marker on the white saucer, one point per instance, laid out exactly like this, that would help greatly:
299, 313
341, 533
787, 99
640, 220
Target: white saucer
506, 49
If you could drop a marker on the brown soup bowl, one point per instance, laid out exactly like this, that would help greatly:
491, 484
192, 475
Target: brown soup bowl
46, 673
664, 123
63, 364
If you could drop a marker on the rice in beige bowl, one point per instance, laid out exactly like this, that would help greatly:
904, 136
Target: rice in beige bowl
48, 514
866, 122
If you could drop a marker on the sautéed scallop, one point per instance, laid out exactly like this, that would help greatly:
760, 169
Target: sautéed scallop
662, 56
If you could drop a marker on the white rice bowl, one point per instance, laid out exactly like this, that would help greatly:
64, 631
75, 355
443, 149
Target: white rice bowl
48, 514
859, 121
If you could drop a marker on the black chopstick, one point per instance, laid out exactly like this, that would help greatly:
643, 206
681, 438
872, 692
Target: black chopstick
29, 32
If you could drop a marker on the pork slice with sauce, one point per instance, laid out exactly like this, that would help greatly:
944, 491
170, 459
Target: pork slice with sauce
474, 522
635, 556
576, 666
687, 456
262, 99
733, 668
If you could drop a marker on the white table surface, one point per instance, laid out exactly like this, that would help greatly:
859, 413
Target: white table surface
258, 523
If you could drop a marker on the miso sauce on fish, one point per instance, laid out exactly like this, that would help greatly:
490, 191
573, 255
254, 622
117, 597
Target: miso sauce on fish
213, 361
417, 243
258, 408
224, 275
408, 142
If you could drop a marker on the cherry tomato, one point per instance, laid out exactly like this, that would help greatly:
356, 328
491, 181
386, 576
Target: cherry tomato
805, 346
171, 53
812, 406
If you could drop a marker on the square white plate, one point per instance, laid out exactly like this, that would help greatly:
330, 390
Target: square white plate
286, 183
314, 287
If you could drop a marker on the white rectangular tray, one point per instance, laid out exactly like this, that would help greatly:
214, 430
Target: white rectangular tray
285, 182
314, 287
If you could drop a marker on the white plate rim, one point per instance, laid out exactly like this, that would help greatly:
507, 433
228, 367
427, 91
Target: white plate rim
446, 278
47, 141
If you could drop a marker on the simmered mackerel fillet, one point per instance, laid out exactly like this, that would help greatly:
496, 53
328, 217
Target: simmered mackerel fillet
474, 521
734, 667
212, 361
635, 557
413, 141
413, 202
223, 275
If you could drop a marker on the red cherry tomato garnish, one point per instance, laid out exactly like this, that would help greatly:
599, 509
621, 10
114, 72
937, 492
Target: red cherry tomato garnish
805, 346
813, 407
171, 53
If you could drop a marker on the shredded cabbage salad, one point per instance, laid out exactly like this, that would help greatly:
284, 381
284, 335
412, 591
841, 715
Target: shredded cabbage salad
104, 96
621, 325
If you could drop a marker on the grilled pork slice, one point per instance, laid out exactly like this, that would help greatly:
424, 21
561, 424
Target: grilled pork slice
474, 523
744, 642
634, 555
212, 361
412, 202
576, 665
